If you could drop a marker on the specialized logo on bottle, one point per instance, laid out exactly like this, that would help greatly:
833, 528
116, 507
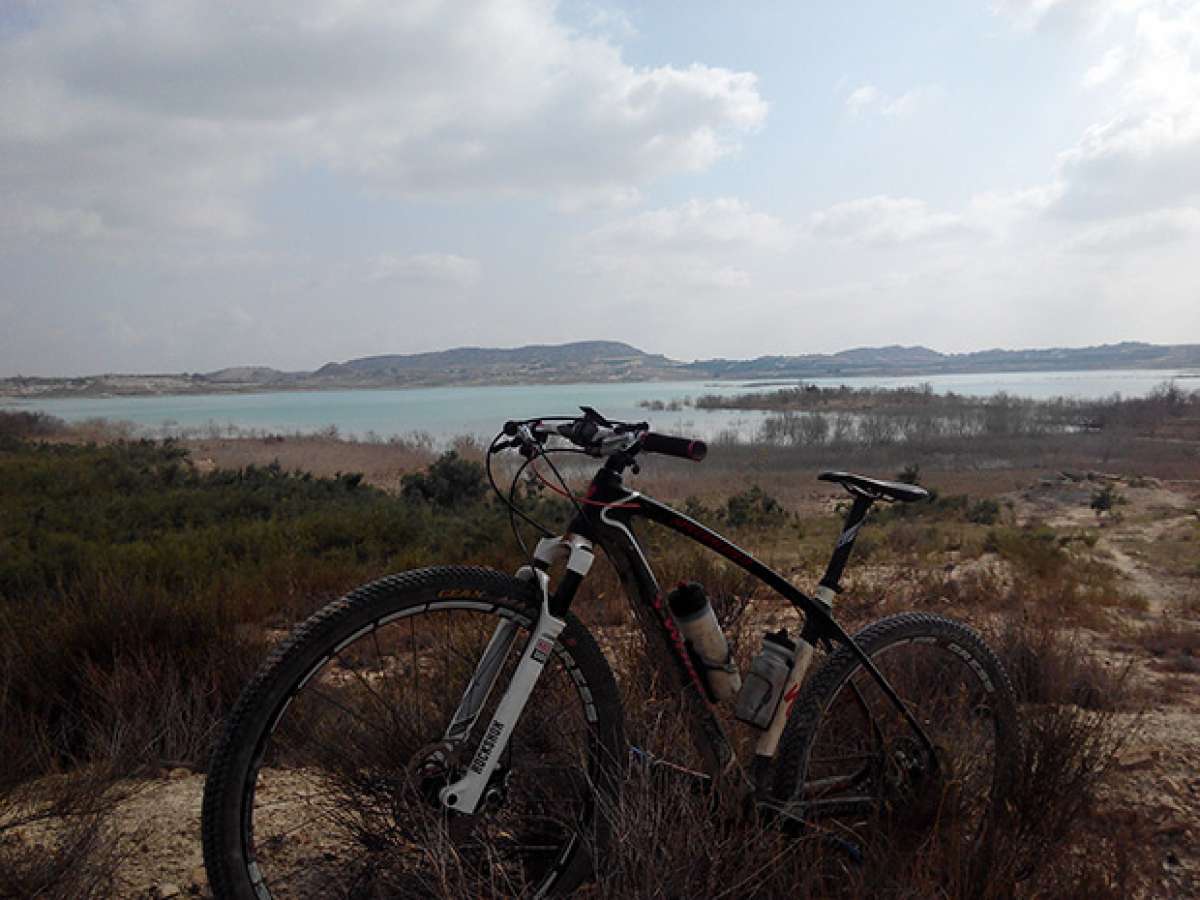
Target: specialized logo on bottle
486, 746
541, 651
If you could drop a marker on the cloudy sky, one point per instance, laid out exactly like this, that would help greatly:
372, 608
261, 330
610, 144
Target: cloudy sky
190, 184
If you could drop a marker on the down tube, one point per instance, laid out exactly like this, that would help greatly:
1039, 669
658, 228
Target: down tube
664, 641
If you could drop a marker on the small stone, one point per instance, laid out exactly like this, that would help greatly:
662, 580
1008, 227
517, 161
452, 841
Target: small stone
179, 773
1135, 759
165, 890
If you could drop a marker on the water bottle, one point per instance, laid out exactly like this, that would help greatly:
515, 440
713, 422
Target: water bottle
763, 689
698, 625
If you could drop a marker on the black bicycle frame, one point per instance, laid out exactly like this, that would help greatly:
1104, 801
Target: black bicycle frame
606, 518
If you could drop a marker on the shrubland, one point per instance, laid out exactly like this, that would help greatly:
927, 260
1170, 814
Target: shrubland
139, 590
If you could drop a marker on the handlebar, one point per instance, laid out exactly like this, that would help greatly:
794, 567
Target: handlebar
684, 448
600, 437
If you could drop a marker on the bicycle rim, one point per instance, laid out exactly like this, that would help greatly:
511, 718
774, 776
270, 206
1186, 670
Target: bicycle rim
341, 799
868, 773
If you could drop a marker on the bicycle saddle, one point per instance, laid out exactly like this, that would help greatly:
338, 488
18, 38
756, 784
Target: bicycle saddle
874, 488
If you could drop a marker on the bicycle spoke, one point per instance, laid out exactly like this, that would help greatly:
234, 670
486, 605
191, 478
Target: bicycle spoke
353, 790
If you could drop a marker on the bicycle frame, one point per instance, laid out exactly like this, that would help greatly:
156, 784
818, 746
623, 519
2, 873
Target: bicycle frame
605, 518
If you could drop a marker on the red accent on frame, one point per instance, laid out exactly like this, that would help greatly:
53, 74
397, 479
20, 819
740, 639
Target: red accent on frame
677, 641
585, 499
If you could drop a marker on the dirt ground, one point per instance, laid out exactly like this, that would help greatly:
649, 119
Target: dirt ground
1158, 771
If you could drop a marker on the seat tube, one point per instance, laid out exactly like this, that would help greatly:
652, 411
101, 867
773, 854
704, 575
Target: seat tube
831, 581
768, 741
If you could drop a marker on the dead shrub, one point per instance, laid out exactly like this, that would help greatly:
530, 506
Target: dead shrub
56, 841
1175, 646
1052, 666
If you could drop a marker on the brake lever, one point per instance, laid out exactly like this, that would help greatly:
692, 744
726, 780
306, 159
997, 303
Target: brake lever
590, 415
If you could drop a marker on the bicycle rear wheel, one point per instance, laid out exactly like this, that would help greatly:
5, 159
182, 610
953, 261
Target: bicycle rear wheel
854, 763
325, 782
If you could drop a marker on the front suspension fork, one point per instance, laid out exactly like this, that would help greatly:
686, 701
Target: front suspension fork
463, 795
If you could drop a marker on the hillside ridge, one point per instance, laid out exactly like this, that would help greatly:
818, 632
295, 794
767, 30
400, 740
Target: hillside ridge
604, 361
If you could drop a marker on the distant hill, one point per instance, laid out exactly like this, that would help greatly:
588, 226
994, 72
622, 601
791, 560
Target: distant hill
597, 360
896, 360
247, 375
601, 361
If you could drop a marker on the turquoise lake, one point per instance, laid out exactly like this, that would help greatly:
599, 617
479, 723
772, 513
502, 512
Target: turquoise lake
444, 412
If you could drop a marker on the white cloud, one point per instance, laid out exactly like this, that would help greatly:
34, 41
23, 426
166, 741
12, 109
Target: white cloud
862, 97
998, 210
1147, 155
1131, 179
445, 268
695, 225
611, 21
910, 102
884, 220
1108, 67
701, 243
168, 116
868, 96
1131, 164
1071, 16
1132, 233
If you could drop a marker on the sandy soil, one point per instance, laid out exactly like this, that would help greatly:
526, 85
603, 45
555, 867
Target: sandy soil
1159, 769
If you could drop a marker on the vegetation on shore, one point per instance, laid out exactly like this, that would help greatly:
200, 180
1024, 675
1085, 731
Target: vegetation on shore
809, 415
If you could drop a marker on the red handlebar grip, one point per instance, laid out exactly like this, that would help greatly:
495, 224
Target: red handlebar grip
684, 448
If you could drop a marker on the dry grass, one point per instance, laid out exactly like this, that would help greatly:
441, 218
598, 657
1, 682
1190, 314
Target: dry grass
56, 842
677, 840
382, 463
1173, 646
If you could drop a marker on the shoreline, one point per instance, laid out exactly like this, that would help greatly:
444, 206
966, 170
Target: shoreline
10, 395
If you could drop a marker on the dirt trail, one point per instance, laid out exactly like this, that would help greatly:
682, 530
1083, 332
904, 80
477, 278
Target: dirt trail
1159, 770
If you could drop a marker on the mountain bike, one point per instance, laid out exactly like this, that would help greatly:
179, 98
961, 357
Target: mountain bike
457, 731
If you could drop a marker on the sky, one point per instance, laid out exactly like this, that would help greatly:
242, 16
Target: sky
192, 184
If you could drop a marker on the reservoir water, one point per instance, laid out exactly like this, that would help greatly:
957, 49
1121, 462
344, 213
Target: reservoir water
444, 412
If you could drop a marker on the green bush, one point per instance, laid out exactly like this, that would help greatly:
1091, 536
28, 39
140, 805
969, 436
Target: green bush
984, 512
133, 588
1105, 499
1035, 548
753, 508
450, 481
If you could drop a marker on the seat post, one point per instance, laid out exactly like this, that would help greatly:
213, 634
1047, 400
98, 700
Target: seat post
841, 553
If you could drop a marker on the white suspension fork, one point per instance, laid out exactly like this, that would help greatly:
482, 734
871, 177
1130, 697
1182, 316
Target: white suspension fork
464, 795
481, 682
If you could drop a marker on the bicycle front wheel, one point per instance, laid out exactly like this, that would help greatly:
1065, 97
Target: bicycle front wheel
851, 759
325, 782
